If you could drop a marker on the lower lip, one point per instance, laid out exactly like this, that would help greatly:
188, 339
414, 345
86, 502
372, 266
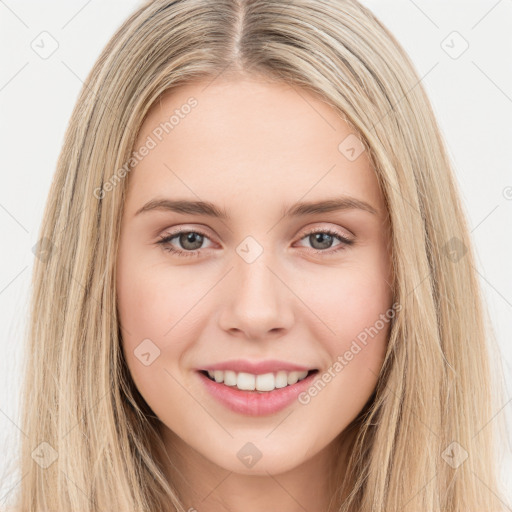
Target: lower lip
254, 403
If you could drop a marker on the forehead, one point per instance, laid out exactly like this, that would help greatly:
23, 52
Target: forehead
249, 140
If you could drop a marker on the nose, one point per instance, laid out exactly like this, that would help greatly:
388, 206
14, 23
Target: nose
258, 303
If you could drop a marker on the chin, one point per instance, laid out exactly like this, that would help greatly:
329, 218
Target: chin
259, 459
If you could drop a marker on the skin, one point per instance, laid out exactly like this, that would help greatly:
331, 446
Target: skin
252, 148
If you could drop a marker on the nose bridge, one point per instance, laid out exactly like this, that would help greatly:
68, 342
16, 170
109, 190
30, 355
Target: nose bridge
258, 301
255, 282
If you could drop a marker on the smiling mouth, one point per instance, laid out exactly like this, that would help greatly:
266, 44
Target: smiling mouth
262, 383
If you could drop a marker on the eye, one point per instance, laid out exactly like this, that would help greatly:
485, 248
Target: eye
322, 239
191, 241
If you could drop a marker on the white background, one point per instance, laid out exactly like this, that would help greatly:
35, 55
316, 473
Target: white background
471, 96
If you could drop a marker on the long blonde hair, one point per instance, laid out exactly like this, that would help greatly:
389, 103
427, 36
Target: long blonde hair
427, 439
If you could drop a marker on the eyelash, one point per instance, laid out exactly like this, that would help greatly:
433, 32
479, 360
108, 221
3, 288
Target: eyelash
165, 239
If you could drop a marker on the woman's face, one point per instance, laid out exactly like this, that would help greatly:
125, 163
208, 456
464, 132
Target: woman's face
267, 288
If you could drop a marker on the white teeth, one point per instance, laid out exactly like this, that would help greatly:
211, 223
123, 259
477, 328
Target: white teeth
281, 379
264, 382
230, 378
246, 381
293, 377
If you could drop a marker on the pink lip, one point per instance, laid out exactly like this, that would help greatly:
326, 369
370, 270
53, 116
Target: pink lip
255, 403
257, 367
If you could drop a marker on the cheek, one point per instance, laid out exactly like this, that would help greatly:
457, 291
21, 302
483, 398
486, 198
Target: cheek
356, 353
154, 299
148, 310
349, 299
355, 302
144, 311
159, 314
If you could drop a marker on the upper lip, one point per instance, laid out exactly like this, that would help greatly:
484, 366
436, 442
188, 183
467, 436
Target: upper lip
257, 367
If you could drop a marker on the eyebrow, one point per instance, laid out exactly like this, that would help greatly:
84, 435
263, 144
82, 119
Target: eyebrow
300, 209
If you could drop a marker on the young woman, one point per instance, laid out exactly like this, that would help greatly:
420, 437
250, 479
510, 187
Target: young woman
258, 286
